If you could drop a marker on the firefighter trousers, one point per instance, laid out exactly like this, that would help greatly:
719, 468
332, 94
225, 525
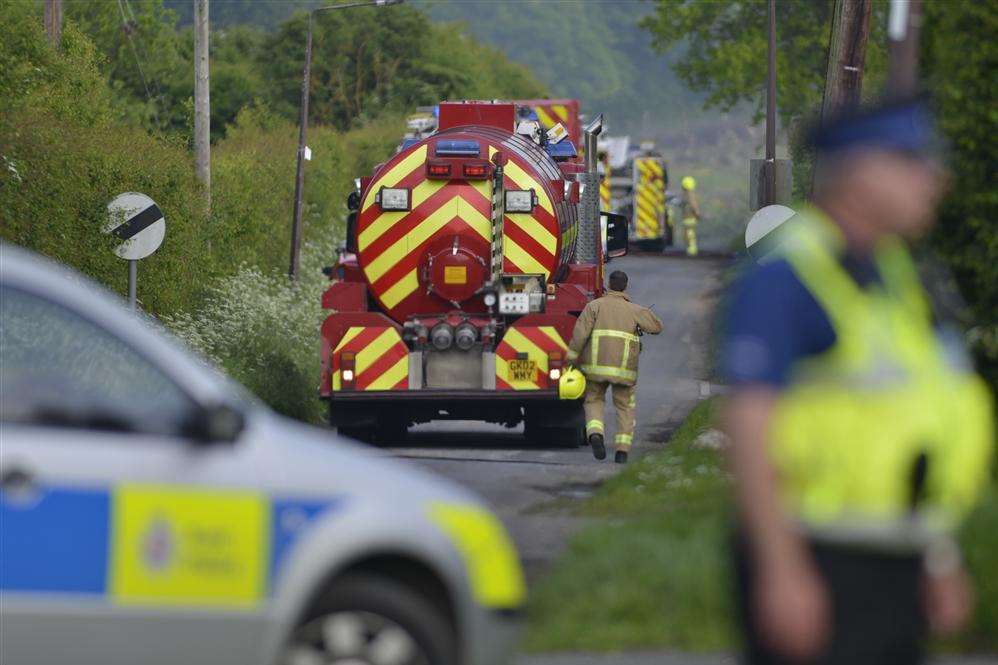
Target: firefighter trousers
623, 402
690, 224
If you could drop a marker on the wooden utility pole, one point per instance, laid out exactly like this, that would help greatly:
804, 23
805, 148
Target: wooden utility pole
904, 28
202, 102
770, 164
846, 56
53, 22
306, 81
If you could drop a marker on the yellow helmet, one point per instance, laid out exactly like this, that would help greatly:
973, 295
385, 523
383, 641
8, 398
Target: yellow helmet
689, 183
572, 384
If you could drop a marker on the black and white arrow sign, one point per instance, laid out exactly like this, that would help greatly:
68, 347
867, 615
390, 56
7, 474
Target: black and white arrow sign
138, 222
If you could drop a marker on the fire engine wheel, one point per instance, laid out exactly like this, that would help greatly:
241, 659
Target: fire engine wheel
391, 432
555, 437
372, 620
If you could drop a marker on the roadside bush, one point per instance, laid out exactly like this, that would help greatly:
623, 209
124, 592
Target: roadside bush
64, 157
253, 171
264, 330
653, 572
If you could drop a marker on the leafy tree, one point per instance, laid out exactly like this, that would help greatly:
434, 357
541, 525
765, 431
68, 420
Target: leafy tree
959, 60
365, 62
725, 50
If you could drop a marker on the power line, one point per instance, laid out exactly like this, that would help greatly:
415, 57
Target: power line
135, 53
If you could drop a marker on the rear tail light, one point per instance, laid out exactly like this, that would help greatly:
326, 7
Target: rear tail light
438, 169
476, 171
555, 364
348, 361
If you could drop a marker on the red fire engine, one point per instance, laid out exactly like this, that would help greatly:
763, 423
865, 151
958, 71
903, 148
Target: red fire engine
469, 256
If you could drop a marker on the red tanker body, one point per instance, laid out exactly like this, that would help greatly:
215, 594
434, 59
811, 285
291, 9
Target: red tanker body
469, 256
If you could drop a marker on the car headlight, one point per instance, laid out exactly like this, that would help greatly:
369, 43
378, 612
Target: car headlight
393, 198
489, 556
519, 200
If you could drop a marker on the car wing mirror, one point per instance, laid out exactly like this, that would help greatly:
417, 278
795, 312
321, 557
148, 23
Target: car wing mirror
216, 423
616, 234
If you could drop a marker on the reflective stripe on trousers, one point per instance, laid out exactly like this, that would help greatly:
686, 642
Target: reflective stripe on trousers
623, 403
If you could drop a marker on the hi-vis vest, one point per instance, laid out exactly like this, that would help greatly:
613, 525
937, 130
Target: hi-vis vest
884, 437
604, 342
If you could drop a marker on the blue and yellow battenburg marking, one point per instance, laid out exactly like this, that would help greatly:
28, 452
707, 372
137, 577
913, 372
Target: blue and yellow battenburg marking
152, 545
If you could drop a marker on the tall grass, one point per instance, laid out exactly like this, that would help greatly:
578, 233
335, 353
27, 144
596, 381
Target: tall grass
263, 329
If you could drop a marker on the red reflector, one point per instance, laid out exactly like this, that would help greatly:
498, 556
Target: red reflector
438, 169
475, 170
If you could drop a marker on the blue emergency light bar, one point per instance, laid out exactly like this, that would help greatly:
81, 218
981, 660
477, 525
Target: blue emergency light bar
456, 148
562, 149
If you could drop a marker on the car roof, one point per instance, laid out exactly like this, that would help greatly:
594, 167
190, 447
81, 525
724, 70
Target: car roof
31, 272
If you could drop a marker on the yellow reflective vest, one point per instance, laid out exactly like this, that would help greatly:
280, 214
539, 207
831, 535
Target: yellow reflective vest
885, 436
605, 341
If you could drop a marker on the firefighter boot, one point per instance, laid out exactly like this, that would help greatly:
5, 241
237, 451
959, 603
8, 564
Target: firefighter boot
596, 442
620, 457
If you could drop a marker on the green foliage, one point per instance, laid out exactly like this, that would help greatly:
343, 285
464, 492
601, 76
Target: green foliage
367, 61
652, 573
960, 73
726, 46
263, 329
65, 157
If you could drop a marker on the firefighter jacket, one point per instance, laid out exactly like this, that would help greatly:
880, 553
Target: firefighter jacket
605, 341
886, 438
690, 205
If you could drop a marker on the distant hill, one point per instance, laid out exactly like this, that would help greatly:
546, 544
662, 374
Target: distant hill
592, 50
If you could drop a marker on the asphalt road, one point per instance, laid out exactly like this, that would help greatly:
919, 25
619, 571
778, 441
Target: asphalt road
531, 488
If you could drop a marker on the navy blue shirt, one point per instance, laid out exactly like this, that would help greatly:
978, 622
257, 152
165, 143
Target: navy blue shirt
771, 321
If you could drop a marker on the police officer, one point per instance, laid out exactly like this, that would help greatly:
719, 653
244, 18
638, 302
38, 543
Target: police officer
605, 344
691, 214
859, 434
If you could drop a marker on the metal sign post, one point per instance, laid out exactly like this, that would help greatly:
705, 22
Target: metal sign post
139, 223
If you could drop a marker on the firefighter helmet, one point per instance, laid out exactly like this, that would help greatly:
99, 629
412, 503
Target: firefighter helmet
572, 384
690, 183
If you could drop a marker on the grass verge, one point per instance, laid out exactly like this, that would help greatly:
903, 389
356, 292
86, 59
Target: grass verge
653, 571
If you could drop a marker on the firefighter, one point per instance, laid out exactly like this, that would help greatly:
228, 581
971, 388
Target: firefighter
859, 433
605, 344
691, 214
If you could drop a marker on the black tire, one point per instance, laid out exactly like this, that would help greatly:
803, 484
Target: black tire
391, 432
362, 434
555, 437
369, 607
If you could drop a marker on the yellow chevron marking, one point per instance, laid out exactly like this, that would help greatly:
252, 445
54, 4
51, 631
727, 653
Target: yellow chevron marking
456, 207
377, 348
387, 220
552, 332
546, 120
535, 230
521, 343
522, 180
401, 289
396, 174
522, 258
392, 376
349, 335
647, 199
484, 187
561, 111
646, 208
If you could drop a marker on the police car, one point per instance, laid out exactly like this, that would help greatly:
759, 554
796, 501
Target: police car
151, 512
